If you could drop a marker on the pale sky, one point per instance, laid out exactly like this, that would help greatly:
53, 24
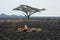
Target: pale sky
52, 6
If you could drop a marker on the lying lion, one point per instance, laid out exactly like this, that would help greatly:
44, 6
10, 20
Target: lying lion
26, 29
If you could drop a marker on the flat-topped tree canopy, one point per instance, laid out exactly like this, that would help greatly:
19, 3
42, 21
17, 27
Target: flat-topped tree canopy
28, 10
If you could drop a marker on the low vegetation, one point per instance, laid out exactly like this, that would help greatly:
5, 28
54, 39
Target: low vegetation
8, 30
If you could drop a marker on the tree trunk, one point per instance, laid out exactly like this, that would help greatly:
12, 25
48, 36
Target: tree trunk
28, 17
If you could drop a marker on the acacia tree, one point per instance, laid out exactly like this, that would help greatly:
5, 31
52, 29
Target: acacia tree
28, 11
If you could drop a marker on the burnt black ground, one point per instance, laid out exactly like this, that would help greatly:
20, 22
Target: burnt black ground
46, 35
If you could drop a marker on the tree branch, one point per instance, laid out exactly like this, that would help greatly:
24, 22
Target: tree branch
24, 14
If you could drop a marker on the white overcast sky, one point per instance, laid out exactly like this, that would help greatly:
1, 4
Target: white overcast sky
52, 6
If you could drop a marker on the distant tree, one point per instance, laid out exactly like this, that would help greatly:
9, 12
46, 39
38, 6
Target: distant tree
28, 11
